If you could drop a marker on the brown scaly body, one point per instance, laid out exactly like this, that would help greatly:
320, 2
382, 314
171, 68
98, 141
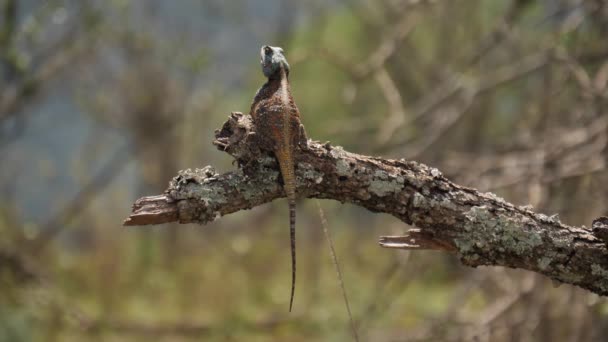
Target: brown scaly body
277, 121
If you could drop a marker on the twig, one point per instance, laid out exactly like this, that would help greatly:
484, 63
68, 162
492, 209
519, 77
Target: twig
334, 259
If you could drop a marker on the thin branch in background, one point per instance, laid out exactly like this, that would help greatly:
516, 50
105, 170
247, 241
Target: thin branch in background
466, 91
571, 151
82, 199
8, 61
334, 259
395, 102
387, 48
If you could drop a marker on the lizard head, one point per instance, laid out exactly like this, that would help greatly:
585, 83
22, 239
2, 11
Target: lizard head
272, 60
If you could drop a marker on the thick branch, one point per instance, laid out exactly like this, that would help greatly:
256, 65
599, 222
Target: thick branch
481, 228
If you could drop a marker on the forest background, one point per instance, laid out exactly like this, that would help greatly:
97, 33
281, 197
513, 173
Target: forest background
102, 102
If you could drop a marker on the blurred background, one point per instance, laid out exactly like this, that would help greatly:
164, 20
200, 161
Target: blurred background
103, 101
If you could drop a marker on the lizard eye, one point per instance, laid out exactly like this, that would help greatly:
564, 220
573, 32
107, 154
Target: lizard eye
267, 50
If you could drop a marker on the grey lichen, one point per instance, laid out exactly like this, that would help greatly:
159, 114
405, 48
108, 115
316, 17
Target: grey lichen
308, 172
562, 241
191, 184
207, 194
543, 263
599, 271
527, 207
567, 276
555, 218
249, 192
472, 258
496, 228
342, 168
464, 245
446, 203
415, 182
197, 176
495, 197
380, 174
436, 173
382, 185
418, 201
337, 152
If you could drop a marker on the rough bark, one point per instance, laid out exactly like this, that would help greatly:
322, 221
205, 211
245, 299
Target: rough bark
481, 228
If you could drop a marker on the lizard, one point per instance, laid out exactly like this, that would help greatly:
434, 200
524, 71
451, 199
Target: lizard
277, 121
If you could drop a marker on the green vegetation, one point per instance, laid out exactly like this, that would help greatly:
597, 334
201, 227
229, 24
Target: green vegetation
103, 102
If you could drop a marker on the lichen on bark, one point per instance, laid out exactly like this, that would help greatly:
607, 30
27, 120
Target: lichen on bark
481, 228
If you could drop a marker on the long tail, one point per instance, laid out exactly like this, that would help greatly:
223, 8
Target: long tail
286, 163
292, 236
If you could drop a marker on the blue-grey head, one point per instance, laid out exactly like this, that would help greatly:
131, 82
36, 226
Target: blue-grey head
272, 61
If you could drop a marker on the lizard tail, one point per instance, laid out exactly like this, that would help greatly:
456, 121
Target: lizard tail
292, 235
289, 179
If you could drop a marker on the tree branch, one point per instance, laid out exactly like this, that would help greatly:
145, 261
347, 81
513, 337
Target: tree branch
481, 228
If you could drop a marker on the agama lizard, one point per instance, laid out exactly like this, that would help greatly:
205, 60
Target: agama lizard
277, 122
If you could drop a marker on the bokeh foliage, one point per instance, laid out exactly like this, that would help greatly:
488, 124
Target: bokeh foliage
103, 101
